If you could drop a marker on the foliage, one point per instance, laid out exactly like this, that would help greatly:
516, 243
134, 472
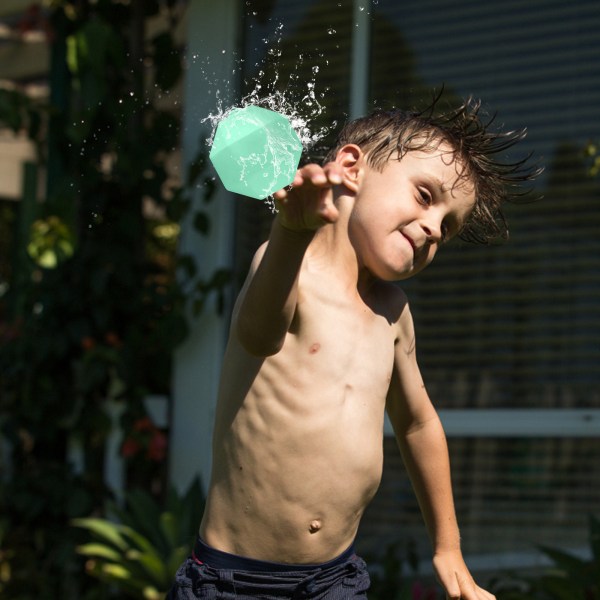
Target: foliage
141, 552
592, 154
91, 309
394, 575
569, 578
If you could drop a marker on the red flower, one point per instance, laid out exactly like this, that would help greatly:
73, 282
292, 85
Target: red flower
157, 448
112, 339
144, 424
130, 448
88, 342
420, 592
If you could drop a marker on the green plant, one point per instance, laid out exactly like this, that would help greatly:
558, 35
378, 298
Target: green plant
90, 306
394, 575
569, 578
141, 552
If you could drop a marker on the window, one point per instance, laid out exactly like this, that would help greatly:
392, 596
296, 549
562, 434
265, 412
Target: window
505, 326
288, 45
513, 325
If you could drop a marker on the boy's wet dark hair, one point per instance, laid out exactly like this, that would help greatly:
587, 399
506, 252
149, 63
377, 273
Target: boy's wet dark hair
384, 135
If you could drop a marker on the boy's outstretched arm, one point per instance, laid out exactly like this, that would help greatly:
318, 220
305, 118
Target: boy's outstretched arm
424, 451
268, 299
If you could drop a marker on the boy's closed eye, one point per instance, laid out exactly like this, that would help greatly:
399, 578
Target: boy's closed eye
425, 197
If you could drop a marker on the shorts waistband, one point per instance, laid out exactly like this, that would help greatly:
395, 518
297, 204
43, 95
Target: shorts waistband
203, 553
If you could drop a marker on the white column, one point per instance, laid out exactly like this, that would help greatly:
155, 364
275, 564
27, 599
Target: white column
210, 77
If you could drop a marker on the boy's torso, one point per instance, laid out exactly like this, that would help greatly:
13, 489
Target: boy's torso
298, 436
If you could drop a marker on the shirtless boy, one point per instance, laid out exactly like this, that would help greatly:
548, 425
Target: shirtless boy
322, 343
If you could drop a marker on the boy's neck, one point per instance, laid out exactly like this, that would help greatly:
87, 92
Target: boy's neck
333, 247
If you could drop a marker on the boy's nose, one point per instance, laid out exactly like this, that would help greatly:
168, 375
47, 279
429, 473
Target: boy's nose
432, 231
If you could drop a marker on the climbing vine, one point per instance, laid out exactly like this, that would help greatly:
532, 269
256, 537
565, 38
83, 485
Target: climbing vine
92, 303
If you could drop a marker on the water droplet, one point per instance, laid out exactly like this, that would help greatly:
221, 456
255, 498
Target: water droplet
331, 31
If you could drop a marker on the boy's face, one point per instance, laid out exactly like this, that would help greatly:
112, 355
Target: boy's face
402, 214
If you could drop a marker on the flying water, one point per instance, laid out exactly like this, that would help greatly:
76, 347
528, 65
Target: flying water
299, 100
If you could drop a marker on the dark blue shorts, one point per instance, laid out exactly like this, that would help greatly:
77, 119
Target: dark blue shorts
212, 574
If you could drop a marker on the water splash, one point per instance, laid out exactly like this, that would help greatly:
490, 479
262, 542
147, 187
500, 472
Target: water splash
301, 114
298, 101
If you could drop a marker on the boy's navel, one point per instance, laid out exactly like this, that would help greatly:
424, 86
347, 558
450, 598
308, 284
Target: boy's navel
314, 526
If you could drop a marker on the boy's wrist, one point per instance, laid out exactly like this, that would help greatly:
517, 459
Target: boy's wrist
448, 543
292, 233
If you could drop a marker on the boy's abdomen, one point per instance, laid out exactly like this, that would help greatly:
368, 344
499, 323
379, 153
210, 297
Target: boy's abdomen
292, 486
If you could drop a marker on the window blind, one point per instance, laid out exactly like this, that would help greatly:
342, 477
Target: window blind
508, 325
517, 324
511, 495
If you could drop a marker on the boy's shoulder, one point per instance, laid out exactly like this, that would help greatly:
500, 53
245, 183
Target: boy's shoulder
389, 300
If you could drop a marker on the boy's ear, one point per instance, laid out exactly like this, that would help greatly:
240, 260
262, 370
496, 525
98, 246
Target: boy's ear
351, 158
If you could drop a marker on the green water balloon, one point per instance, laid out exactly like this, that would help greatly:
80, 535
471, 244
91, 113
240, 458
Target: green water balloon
255, 151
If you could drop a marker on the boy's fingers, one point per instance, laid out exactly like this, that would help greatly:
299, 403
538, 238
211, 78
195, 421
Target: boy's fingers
280, 194
334, 173
312, 173
327, 176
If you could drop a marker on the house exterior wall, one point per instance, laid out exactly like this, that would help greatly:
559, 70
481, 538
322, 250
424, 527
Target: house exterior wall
213, 30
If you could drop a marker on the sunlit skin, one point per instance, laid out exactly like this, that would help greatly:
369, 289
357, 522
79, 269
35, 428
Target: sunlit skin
322, 343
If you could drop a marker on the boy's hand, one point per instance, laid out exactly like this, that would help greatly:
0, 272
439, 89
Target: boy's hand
309, 205
455, 578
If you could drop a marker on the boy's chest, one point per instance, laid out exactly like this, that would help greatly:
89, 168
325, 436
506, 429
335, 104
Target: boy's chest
343, 337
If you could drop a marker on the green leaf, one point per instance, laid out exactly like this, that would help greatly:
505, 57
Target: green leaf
105, 530
201, 223
115, 574
220, 278
169, 527
72, 55
118, 572
145, 515
151, 593
140, 541
152, 567
188, 264
99, 551
50, 242
174, 503
572, 565
176, 559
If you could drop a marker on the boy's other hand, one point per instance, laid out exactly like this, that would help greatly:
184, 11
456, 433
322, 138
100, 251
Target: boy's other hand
308, 204
453, 574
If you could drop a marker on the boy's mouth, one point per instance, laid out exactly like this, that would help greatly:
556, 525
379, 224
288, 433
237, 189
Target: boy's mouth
411, 242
